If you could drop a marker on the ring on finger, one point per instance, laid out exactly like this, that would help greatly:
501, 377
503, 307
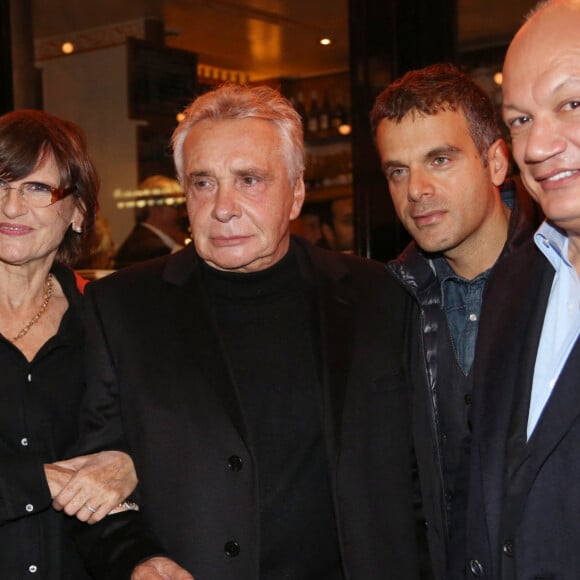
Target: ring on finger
90, 508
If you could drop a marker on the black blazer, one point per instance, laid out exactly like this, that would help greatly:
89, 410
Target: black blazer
523, 518
159, 385
141, 244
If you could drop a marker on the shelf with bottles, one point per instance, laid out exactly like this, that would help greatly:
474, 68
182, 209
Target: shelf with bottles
323, 104
328, 166
323, 119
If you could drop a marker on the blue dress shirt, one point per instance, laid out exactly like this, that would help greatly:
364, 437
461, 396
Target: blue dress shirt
561, 323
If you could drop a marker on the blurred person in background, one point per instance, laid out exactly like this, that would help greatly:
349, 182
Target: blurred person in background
99, 253
307, 224
161, 228
337, 224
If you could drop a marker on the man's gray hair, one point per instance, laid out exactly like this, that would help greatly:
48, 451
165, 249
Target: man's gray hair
231, 101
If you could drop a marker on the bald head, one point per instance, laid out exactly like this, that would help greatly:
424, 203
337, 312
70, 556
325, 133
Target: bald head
541, 107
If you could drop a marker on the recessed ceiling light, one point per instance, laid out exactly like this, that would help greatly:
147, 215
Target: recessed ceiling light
325, 41
67, 47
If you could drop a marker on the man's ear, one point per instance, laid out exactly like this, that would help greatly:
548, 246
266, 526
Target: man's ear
498, 161
299, 195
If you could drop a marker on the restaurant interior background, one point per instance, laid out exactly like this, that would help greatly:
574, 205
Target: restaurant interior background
130, 66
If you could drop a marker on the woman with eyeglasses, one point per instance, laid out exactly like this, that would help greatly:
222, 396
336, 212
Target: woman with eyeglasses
48, 201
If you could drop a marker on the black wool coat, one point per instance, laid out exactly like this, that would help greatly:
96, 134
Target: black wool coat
159, 386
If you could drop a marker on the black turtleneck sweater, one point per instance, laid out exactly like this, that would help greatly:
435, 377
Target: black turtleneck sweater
266, 320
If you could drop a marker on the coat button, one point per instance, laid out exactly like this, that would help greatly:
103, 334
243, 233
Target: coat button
467, 398
476, 568
232, 549
508, 548
235, 463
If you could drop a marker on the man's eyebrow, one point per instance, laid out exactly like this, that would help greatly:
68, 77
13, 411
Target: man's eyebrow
392, 163
442, 150
435, 152
199, 173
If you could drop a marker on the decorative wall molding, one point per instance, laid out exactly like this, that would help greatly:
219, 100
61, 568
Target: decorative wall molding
87, 40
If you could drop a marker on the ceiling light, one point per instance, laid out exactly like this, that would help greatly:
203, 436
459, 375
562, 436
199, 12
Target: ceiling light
325, 41
67, 47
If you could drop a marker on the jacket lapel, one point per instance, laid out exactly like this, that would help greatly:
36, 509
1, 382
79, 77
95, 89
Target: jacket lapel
333, 331
198, 330
560, 413
335, 334
525, 459
504, 367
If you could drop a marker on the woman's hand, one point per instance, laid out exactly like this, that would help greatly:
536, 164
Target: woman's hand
91, 486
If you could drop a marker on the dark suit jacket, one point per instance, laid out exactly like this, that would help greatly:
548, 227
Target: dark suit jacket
158, 381
523, 518
141, 244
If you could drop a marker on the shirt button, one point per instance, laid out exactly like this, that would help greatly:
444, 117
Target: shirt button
33, 569
232, 549
24, 442
235, 463
476, 568
29, 507
508, 548
473, 317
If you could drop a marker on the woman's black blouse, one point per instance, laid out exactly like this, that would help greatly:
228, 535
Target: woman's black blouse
39, 410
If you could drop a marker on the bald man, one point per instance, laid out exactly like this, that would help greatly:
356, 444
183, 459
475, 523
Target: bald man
523, 512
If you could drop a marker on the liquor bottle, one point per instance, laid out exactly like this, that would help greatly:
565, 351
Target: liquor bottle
324, 117
340, 118
301, 109
313, 113
338, 115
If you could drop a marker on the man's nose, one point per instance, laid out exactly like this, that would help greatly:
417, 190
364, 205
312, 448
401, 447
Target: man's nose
543, 140
419, 184
226, 202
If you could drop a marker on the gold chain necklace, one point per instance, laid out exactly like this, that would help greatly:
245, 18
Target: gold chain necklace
43, 307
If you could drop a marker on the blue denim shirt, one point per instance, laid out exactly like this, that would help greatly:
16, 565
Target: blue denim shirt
461, 300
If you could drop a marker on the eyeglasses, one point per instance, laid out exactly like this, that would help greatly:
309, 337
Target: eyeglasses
36, 194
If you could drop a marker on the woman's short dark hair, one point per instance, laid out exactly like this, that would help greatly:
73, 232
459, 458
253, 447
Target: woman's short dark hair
28, 138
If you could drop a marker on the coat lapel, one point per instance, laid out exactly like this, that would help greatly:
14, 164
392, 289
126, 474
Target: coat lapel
560, 413
503, 370
198, 330
335, 334
333, 331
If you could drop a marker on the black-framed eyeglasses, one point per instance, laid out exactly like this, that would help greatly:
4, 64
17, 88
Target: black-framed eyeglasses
35, 193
